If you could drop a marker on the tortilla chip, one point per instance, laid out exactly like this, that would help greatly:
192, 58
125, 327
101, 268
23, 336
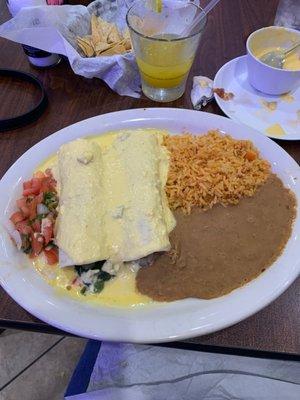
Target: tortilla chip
118, 48
89, 38
105, 28
85, 46
101, 46
127, 44
105, 39
96, 30
85, 39
126, 34
114, 35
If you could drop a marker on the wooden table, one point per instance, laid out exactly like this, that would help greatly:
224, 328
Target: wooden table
73, 98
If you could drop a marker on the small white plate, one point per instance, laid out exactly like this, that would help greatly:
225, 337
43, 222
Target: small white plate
160, 322
247, 104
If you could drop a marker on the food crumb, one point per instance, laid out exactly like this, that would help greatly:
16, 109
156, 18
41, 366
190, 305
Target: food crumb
269, 105
224, 95
288, 98
173, 254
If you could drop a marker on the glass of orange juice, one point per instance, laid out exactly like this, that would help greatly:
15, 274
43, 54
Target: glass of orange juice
165, 40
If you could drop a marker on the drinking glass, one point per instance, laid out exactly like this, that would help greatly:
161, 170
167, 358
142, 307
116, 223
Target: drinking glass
165, 40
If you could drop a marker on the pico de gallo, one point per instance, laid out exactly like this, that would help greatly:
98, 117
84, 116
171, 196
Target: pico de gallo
34, 221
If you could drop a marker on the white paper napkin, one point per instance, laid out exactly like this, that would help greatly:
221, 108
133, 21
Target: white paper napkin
128, 371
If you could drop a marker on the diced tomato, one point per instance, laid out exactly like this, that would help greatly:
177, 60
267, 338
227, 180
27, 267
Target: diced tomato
36, 183
39, 175
17, 217
47, 230
45, 186
36, 225
39, 183
40, 198
48, 185
37, 243
23, 227
25, 211
27, 185
34, 188
52, 184
51, 255
38, 234
32, 208
30, 191
22, 204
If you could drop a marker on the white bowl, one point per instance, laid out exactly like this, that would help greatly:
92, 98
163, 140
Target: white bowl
263, 77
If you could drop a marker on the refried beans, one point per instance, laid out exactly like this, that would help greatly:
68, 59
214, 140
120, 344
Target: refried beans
216, 251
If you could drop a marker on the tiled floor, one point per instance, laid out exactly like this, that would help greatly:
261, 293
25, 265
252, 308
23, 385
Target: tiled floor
36, 366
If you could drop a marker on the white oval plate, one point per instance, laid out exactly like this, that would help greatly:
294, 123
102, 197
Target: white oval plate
161, 322
246, 107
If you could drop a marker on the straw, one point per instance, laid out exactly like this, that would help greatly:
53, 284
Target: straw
203, 13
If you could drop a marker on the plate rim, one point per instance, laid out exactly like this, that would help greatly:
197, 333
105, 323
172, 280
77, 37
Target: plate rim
152, 338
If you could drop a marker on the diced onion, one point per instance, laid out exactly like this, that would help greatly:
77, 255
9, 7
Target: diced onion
42, 209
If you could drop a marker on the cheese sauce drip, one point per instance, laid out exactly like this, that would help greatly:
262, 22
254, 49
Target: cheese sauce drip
118, 292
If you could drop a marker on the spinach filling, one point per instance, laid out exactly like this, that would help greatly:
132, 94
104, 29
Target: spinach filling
95, 282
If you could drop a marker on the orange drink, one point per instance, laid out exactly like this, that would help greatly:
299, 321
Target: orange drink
163, 53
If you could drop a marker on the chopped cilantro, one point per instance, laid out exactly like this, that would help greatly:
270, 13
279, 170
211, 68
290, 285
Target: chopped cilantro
52, 244
50, 200
39, 217
26, 244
